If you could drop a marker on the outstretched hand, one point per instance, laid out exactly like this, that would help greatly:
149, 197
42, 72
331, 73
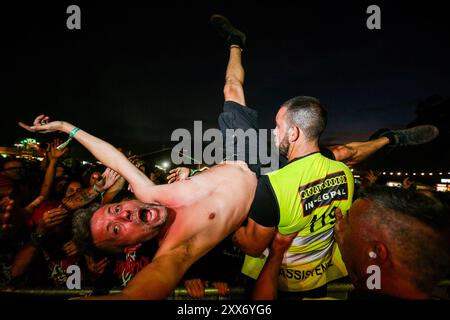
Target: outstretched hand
54, 153
41, 124
109, 177
178, 174
372, 176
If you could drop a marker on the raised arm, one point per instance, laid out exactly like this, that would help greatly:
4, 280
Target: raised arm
102, 150
53, 156
86, 196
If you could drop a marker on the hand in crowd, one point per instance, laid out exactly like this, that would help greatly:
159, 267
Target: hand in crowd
109, 177
281, 242
96, 268
54, 217
407, 183
139, 163
70, 248
178, 174
196, 288
54, 154
222, 287
372, 176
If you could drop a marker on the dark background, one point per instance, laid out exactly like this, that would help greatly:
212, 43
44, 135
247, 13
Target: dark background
135, 71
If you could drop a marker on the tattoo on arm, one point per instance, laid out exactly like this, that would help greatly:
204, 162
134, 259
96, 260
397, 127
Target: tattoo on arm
80, 199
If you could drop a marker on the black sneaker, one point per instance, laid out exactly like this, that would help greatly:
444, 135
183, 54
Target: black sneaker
231, 35
411, 136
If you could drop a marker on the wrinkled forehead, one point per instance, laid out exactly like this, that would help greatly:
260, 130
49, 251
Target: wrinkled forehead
103, 216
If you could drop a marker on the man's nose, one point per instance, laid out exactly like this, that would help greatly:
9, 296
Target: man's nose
126, 214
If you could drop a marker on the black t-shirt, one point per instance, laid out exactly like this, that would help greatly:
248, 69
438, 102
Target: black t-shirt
123, 267
265, 210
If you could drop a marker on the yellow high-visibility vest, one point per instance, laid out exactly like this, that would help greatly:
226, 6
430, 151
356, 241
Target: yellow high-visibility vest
308, 191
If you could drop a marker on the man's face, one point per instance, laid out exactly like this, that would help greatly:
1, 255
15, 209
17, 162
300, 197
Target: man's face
349, 234
126, 224
281, 132
59, 172
95, 176
14, 170
73, 188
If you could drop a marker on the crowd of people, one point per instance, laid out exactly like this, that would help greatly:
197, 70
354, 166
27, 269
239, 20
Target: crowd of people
286, 234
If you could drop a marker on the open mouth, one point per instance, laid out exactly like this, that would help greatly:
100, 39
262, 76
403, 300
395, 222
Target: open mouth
148, 215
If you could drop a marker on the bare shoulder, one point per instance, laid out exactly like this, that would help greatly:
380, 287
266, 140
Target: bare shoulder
238, 164
230, 176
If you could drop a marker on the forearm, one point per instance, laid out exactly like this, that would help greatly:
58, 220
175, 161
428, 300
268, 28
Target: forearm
23, 260
48, 179
158, 279
266, 287
80, 199
113, 191
156, 284
109, 156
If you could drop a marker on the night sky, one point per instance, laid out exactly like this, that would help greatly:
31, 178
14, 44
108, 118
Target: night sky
136, 72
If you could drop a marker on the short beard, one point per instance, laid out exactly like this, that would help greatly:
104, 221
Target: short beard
284, 146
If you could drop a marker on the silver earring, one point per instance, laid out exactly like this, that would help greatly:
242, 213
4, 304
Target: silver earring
372, 255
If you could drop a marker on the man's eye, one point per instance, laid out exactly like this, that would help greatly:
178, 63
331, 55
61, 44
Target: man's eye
116, 230
117, 209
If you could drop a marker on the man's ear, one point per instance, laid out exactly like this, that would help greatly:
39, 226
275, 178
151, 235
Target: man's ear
132, 249
294, 134
382, 251
378, 252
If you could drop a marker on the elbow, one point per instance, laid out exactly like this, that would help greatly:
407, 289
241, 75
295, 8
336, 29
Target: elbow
254, 252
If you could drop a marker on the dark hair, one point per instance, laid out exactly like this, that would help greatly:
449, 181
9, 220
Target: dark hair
410, 203
308, 114
418, 228
81, 229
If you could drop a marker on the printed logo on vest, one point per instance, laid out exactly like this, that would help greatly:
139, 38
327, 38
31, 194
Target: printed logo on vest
323, 192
